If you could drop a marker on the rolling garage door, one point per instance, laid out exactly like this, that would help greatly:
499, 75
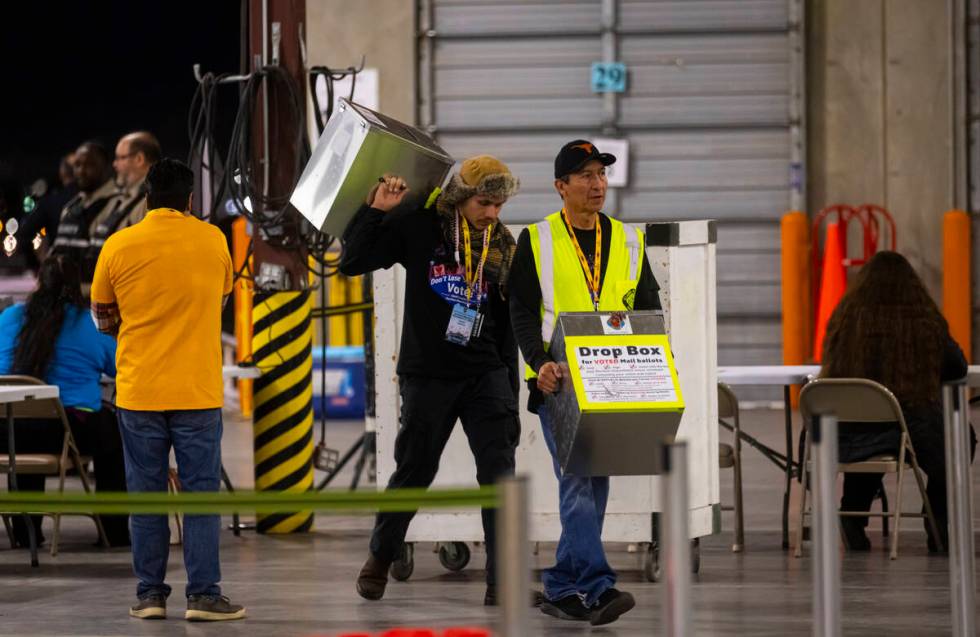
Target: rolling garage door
709, 114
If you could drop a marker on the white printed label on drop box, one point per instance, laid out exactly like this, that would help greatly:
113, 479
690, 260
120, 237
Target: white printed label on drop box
625, 374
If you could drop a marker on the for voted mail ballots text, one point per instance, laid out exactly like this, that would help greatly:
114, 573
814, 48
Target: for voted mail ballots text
619, 397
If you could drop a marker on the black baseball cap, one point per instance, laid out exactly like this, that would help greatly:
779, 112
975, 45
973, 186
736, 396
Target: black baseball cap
576, 154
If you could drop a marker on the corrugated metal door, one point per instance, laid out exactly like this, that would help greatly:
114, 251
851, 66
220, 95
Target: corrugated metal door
712, 113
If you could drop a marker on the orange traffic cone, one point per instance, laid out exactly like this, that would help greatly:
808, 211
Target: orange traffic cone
833, 281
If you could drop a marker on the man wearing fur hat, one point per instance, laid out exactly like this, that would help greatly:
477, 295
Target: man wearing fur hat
576, 260
458, 357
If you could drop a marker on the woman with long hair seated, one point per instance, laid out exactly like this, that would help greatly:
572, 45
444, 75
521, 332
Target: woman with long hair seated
53, 337
888, 329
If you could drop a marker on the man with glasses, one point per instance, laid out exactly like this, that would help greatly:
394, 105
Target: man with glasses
135, 155
576, 260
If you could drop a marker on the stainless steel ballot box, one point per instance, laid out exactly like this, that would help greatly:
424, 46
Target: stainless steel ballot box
357, 146
619, 398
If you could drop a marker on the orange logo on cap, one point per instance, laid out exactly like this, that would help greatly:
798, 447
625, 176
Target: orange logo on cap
587, 147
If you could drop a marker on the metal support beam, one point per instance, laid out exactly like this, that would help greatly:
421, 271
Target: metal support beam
797, 105
959, 499
826, 557
610, 100
676, 542
514, 557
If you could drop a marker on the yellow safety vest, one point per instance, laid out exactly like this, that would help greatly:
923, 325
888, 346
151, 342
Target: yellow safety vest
563, 285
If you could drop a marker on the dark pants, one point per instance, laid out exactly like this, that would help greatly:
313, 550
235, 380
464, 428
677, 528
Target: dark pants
929, 443
487, 407
97, 435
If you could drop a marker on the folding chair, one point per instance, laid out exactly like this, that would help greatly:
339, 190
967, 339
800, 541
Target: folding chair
731, 456
44, 463
857, 401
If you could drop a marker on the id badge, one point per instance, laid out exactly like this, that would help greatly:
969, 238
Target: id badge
461, 324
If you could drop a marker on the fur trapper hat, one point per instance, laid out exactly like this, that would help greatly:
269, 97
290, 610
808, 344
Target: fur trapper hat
479, 175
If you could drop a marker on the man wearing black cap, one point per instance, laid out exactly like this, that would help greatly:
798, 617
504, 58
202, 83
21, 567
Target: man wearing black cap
576, 260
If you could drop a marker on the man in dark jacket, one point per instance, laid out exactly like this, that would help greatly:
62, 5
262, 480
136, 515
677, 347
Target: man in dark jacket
458, 357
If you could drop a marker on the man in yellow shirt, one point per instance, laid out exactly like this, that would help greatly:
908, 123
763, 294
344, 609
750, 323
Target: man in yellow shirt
160, 285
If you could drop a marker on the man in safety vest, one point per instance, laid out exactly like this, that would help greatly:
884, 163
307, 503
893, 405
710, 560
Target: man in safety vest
576, 260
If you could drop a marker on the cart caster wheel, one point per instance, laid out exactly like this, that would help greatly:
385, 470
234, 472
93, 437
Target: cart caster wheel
401, 569
651, 563
696, 555
454, 556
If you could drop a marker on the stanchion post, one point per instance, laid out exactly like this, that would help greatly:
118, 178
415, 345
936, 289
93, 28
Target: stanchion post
513, 557
826, 557
959, 500
676, 543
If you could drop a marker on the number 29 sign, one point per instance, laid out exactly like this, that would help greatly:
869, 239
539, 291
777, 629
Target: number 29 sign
608, 77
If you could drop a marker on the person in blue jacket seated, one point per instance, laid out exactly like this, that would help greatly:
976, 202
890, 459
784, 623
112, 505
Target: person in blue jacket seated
53, 337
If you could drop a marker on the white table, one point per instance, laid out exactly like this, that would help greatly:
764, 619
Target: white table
767, 374
10, 394
973, 376
787, 376
240, 372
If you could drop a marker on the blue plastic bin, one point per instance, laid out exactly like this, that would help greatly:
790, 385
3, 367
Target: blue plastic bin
345, 382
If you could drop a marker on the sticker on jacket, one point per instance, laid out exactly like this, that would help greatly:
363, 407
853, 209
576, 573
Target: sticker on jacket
448, 281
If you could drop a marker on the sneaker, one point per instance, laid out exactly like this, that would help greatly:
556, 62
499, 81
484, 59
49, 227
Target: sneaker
150, 607
212, 608
610, 606
569, 607
373, 578
490, 599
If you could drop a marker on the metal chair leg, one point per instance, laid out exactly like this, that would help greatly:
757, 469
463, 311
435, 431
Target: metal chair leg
798, 551
884, 509
10, 531
739, 545
930, 516
898, 502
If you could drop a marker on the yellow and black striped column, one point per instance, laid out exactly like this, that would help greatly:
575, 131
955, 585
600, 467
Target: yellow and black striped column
283, 417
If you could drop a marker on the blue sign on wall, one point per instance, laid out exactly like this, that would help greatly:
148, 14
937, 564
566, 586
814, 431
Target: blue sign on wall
608, 77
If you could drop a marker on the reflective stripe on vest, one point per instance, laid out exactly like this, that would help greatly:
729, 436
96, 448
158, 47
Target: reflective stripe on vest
563, 286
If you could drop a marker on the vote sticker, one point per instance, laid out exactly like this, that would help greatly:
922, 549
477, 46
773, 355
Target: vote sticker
449, 282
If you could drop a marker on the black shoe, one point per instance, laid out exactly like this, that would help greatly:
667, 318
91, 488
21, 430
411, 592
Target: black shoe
490, 599
212, 608
569, 607
150, 607
25, 543
852, 532
373, 578
943, 539
610, 606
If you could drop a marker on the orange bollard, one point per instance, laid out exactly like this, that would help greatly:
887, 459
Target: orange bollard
243, 310
833, 282
956, 277
794, 230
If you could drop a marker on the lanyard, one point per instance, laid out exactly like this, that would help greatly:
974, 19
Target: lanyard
472, 277
591, 278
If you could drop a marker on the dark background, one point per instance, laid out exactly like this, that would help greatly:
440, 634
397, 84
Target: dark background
98, 69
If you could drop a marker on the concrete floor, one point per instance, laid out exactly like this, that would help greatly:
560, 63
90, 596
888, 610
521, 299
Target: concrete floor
303, 585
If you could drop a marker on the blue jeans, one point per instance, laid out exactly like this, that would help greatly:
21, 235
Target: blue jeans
195, 435
581, 567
